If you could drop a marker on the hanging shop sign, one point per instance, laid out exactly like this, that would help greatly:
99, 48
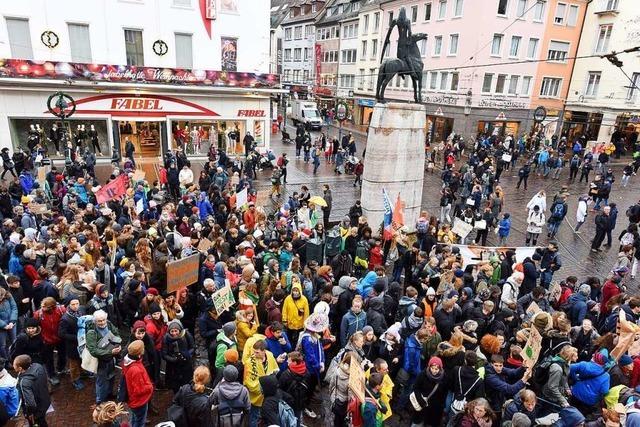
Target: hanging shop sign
129, 73
342, 111
140, 106
540, 114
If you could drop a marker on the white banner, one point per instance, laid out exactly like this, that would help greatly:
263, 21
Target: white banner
472, 254
241, 198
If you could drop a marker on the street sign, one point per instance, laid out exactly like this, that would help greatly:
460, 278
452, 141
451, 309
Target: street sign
539, 114
342, 111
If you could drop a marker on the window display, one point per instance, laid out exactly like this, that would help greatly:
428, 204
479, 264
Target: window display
145, 137
52, 135
197, 137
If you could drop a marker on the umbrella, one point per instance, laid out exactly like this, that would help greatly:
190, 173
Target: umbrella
318, 201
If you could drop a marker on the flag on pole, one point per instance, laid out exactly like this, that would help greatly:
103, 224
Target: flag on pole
387, 230
398, 214
113, 190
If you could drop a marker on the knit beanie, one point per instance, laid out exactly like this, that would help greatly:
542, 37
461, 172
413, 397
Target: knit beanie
230, 373
520, 420
154, 308
136, 348
175, 324
231, 355
585, 289
229, 328
138, 324
435, 361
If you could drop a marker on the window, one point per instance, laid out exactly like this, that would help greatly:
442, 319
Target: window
502, 7
374, 48
348, 56
184, 51
297, 32
437, 46
364, 50
305, 76
453, 44
390, 17
423, 47
487, 82
558, 51
604, 36
182, 3
297, 54
515, 46
287, 55
502, 78
361, 79
414, 14
454, 81
287, 75
134, 47
427, 12
444, 79
372, 73
538, 12
287, 33
296, 75
433, 81
347, 80
526, 86
442, 11
572, 17
80, 42
632, 92
532, 50
521, 8
308, 30
19, 38
365, 24
513, 85
376, 21
496, 45
561, 10
457, 10
592, 84
611, 4
550, 87
307, 53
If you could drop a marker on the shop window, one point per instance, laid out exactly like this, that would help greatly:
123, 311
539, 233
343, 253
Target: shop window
52, 138
19, 38
197, 137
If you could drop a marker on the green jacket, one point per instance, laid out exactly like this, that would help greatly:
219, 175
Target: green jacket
223, 343
93, 337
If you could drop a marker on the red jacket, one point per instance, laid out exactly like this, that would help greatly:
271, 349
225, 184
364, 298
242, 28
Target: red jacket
49, 323
139, 385
609, 290
375, 257
155, 331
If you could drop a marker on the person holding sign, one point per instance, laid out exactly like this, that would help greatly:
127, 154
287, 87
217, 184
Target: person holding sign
373, 409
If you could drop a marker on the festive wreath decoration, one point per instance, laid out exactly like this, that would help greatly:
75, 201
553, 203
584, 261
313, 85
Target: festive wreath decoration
49, 39
160, 48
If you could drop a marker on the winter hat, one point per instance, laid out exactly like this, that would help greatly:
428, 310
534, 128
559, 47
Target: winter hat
317, 322
542, 320
229, 328
367, 329
431, 291
520, 420
468, 291
601, 357
231, 355
435, 361
138, 324
230, 373
249, 253
154, 308
625, 360
136, 348
69, 299
31, 323
452, 294
506, 313
381, 284
322, 307
100, 287
458, 273
175, 324
585, 289
152, 291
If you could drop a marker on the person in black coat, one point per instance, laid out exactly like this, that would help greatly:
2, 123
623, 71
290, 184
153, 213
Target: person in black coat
430, 393
68, 331
530, 276
33, 389
173, 181
29, 342
269, 414
375, 316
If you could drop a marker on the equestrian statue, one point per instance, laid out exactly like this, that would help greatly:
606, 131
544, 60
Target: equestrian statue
408, 61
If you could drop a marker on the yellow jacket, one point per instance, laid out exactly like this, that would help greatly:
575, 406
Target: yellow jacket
291, 317
386, 392
247, 351
253, 370
243, 331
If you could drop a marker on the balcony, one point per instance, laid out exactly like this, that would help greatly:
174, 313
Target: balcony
607, 8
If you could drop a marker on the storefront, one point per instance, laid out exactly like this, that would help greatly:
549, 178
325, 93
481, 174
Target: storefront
362, 114
438, 128
629, 125
581, 123
498, 127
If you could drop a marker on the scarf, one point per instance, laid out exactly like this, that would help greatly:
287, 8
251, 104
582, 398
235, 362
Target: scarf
299, 368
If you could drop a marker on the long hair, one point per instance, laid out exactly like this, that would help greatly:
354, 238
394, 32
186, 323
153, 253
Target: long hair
201, 377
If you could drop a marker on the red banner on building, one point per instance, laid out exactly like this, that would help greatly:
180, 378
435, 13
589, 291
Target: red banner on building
130, 73
318, 62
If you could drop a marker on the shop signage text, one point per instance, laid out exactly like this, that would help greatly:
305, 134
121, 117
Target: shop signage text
135, 104
251, 113
502, 104
441, 99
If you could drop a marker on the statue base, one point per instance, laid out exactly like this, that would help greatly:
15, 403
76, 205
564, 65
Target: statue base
394, 161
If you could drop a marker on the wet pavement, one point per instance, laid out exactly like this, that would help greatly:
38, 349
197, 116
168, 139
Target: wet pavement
73, 408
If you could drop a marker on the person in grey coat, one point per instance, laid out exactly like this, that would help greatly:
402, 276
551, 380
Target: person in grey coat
33, 390
557, 390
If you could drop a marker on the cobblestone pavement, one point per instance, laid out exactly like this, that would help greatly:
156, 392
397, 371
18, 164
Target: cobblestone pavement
73, 408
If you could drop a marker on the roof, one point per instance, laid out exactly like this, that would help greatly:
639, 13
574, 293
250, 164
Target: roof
348, 12
279, 11
306, 17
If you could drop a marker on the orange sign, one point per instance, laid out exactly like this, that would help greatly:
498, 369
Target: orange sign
182, 272
251, 113
135, 104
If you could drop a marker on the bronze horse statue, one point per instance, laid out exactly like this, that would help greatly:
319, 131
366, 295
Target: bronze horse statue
412, 66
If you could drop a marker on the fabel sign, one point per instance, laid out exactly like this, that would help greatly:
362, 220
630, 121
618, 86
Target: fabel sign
251, 113
135, 104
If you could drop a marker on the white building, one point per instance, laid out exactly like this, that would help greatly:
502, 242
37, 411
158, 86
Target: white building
161, 74
601, 99
348, 54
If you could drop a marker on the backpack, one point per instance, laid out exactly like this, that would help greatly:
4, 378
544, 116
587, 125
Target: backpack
541, 374
362, 250
230, 413
558, 211
280, 162
286, 415
298, 390
422, 226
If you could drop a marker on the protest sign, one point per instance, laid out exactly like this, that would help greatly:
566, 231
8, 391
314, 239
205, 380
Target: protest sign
204, 245
461, 228
139, 206
531, 350
138, 175
356, 379
223, 299
472, 254
182, 272
38, 208
533, 309
626, 335
241, 198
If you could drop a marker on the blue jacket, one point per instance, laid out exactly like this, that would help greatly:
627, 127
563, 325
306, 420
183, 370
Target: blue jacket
504, 227
219, 276
544, 156
500, 387
366, 284
139, 195
204, 208
591, 382
578, 308
313, 353
8, 311
15, 266
351, 323
285, 260
81, 191
9, 394
276, 348
26, 182
412, 361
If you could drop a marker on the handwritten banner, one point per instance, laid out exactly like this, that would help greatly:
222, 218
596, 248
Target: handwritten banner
182, 272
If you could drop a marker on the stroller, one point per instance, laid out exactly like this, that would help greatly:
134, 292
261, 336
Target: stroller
350, 164
286, 139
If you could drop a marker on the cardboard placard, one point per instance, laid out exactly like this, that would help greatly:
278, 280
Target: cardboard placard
241, 198
626, 335
533, 309
138, 175
531, 350
357, 379
204, 245
461, 228
223, 299
182, 272
38, 208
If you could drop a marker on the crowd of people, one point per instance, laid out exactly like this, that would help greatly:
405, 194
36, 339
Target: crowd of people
401, 328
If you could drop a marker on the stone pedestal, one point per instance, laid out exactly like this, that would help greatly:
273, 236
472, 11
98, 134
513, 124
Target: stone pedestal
394, 161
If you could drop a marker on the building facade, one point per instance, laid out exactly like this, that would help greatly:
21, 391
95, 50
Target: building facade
132, 69
327, 54
601, 98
